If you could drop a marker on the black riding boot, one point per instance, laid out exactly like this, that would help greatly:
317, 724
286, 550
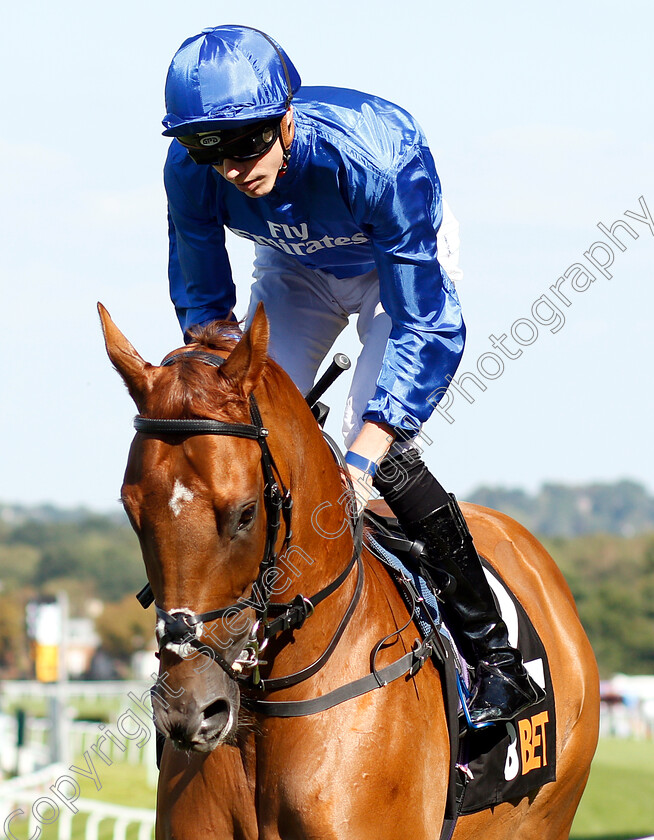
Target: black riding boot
502, 687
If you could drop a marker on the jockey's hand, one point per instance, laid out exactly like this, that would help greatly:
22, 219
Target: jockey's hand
371, 444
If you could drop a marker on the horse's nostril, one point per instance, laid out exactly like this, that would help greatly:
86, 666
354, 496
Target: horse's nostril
217, 715
178, 733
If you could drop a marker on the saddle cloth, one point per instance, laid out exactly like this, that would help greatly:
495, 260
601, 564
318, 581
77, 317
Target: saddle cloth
505, 761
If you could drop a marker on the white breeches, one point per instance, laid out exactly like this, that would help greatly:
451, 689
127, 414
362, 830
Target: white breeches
309, 308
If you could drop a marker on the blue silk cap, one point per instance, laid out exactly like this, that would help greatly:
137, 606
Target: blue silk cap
224, 77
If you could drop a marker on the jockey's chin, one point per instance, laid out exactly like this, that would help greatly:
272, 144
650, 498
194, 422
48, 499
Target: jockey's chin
255, 178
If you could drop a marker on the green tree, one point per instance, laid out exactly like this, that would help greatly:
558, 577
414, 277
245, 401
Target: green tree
14, 650
125, 628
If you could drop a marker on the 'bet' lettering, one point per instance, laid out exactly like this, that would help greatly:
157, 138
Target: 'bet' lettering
532, 735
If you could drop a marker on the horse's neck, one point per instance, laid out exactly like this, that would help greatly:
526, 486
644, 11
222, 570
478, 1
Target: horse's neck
321, 530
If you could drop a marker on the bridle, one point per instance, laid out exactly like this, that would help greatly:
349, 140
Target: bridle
277, 499
182, 627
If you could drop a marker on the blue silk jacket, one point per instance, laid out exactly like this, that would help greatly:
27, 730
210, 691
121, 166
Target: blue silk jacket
361, 191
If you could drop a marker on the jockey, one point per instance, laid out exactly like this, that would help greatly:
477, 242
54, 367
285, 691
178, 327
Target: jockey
339, 193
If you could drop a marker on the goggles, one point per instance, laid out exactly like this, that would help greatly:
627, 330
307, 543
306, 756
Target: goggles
213, 147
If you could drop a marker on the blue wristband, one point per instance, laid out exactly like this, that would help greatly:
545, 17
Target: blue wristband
361, 463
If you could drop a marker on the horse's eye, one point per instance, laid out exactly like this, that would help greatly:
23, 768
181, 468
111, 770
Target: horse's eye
247, 517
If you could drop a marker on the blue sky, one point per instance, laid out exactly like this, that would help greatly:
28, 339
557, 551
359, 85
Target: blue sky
540, 121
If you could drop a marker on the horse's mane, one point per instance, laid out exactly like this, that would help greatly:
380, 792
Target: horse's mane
200, 390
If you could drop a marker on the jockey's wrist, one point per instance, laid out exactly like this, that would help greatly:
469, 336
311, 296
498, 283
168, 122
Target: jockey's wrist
366, 452
353, 459
373, 441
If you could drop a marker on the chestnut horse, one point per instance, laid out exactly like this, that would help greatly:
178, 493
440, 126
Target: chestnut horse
376, 765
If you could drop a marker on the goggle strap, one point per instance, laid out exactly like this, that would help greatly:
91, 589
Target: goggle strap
287, 132
287, 135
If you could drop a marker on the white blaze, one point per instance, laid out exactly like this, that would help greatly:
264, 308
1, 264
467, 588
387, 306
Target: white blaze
180, 495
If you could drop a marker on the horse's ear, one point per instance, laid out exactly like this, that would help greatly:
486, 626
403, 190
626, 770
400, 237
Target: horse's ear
245, 363
137, 374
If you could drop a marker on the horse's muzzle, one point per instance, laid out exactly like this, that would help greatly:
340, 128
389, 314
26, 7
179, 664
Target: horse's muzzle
196, 723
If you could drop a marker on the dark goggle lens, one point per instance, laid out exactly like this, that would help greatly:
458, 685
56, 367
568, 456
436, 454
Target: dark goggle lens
215, 147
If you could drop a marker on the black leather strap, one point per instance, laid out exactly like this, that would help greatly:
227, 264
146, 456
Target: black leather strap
145, 596
286, 620
212, 615
310, 670
410, 664
397, 545
197, 426
203, 356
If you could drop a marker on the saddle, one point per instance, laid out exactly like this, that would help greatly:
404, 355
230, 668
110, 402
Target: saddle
502, 762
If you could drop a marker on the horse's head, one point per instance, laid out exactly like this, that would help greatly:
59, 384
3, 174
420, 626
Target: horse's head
198, 498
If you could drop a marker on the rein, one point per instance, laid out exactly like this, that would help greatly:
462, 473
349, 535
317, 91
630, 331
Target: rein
183, 627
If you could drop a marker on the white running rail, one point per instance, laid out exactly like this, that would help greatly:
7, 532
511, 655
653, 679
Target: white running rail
19, 798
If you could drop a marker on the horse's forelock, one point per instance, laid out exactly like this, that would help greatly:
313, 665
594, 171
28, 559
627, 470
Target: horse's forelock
194, 389
218, 335
198, 390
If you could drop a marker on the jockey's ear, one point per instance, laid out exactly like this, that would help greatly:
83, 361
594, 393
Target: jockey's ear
245, 363
137, 374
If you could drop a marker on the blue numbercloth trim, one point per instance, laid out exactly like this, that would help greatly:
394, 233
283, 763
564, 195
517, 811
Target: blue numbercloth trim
361, 463
428, 602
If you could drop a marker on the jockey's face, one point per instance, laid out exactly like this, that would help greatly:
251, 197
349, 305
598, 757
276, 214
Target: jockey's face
255, 177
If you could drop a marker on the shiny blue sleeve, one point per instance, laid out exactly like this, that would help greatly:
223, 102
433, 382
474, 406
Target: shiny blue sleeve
428, 333
199, 273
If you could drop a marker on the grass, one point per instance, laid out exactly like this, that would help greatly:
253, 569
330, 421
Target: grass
103, 709
618, 803
122, 784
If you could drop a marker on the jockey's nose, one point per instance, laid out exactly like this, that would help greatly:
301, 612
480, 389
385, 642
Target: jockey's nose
233, 169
